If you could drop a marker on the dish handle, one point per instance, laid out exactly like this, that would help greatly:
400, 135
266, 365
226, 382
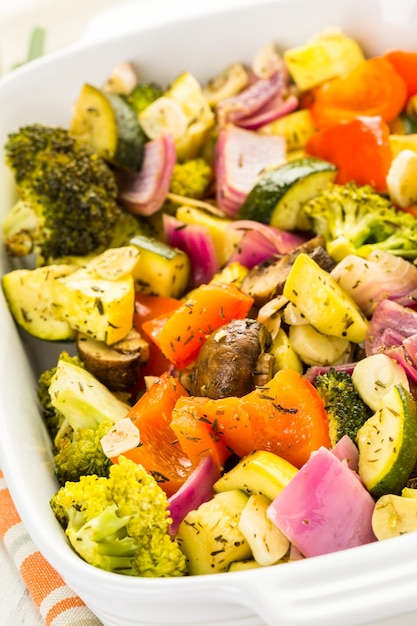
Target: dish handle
376, 583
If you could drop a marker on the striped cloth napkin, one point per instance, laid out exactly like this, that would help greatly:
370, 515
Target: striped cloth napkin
58, 605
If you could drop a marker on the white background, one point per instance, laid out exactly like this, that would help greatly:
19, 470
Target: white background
64, 21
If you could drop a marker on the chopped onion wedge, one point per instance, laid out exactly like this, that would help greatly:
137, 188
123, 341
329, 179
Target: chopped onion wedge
381, 275
251, 99
144, 192
410, 344
280, 241
198, 488
391, 323
197, 243
273, 110
313, 508
347, 452
400, 354
316, 370
241, 156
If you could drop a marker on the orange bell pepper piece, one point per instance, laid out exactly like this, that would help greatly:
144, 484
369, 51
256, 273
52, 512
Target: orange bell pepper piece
360, 150
159, 451
372, 88
181, 335
405, 64
286, 417
197, 435
147, 308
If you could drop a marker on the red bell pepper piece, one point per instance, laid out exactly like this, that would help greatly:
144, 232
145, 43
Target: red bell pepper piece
360, 149
372, 88
181, 335
405, 64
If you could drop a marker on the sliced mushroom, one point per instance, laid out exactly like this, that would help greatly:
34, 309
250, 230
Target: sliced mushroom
266, 280
116, 366
229, 362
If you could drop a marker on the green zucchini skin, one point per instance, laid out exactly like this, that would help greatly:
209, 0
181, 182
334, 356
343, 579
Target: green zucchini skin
130, 137
110, 126
278, 196
387, 444
162, 270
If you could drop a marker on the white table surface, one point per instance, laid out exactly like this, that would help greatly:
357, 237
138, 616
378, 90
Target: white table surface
65, 21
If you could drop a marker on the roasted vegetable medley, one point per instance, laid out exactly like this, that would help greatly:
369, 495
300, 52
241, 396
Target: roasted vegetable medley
231, 268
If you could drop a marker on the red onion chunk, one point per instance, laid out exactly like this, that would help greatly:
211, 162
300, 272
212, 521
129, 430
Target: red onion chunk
198, 488
410, 345
409, 299
252, 249
324, 508
241, 156
381, 275
251, 99
316, 370
273, 110
144, 192
197, 243
400, 354
281, 240
295, 554
260, 242
391, 323
346, 451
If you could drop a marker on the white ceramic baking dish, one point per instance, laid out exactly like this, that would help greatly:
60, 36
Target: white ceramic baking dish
359, 586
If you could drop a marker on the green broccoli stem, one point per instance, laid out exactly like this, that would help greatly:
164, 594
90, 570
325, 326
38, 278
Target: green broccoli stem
102, 542
104, 525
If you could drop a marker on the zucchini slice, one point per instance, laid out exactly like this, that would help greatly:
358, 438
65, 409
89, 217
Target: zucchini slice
260, 472
322, 302
96, 306
297, 127
110, 126
31, 296
278, 196
210, 537
162, 270
387, 444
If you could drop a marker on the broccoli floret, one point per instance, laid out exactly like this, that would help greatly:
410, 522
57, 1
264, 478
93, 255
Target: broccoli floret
120, 523
143, 95
67, 195
79, 410
346, 410
79, 453
357, 220
53, 418
191, 178
126, 228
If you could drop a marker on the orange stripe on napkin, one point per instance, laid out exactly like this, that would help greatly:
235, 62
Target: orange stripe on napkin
40, 577
9, 516
57, 603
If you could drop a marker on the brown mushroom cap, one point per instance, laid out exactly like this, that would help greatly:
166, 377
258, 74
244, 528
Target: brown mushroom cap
266, 280
227, 362
116, 366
